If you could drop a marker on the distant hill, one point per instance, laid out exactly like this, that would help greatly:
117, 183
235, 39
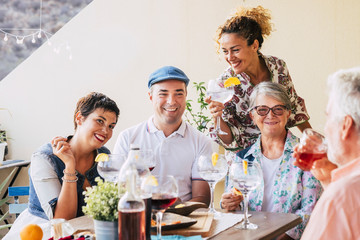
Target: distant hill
25, 14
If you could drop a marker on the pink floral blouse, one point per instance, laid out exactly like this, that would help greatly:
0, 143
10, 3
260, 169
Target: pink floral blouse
236, 114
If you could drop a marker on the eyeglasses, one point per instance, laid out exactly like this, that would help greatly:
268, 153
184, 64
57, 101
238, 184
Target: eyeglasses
263, 110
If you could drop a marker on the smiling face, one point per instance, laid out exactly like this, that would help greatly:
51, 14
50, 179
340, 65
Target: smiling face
97, 128
169, 102
237, 53
270, 125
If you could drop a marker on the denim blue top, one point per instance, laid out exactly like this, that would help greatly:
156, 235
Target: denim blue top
58, 166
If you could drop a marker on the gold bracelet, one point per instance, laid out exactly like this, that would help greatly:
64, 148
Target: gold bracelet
69, 181
70, 174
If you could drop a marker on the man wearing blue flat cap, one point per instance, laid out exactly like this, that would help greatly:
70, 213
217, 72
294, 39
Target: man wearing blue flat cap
175, 143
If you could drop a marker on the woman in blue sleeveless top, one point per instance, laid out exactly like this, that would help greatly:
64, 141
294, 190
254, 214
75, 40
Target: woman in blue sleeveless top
62, 169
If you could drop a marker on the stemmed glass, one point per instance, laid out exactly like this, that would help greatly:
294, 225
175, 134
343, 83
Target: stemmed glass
212, 168
219, 94
164, 194
110, 169
147, 156
245, 176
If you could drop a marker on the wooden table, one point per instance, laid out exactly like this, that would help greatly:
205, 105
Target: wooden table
270, 225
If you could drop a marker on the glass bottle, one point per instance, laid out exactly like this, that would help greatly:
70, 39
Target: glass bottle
143, 173
131, 210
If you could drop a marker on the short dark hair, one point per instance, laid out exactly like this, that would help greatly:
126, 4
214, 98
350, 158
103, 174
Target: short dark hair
94, 100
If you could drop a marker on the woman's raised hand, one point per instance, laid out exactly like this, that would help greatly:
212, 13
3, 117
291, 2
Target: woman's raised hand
61, 149
215, 108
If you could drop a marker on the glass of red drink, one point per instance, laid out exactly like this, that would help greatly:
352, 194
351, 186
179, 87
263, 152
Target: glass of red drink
148, 158
312, 147
164, 194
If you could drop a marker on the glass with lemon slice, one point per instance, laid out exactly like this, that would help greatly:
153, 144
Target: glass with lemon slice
109, 165
221, 94
245, 176
212, 168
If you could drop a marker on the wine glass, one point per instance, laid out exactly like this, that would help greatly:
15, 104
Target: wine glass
245, 176
164, 194
110, 169
219, 94
312, 147
147, 156
212, 168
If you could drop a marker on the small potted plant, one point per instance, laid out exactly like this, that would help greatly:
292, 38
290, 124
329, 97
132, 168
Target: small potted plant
101, 204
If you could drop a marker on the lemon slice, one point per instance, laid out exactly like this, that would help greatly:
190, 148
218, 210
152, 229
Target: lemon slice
231, 81
236, 191
151, 180
180, 205
214, 158
245, 166
102, 157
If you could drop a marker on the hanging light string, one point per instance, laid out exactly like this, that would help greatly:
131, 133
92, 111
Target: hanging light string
20, 38
36, 33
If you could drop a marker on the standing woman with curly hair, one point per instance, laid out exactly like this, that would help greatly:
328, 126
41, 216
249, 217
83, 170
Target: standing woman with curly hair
240, 39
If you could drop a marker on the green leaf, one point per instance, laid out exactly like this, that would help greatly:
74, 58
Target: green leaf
4, 183
4, 216
4, 200
5, 226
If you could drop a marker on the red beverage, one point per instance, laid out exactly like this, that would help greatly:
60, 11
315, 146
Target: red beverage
160, 202
132, 225
151, 168
307, 159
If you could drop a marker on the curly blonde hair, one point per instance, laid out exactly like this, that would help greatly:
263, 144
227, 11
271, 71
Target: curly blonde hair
249, 23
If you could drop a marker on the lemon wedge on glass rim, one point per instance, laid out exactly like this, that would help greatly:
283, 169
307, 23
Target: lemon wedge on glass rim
151, 180
231, 81
245, 166
214, 158
102, 157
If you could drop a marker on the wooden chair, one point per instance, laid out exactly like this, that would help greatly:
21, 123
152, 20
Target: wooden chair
17, 207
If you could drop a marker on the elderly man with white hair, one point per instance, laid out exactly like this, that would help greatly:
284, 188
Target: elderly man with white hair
337, 213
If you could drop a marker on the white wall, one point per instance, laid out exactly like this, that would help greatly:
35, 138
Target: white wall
116, 44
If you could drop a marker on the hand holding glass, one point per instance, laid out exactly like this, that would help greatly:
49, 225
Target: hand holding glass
312, 147
110, 169
212, 168
164, 194
245, 176
219, 94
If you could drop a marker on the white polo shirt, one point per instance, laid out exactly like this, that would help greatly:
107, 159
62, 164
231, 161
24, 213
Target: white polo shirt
176, 154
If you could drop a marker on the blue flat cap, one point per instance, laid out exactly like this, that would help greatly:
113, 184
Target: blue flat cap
167, 73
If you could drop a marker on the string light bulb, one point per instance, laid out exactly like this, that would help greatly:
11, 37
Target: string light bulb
39, 35
6, 37
33, 39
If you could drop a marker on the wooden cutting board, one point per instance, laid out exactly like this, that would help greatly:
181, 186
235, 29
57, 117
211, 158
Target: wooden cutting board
202, 227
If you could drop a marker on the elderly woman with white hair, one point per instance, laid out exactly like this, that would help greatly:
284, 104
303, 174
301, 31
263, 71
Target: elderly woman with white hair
285, 187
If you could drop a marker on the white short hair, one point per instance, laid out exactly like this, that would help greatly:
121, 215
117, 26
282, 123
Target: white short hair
344, 90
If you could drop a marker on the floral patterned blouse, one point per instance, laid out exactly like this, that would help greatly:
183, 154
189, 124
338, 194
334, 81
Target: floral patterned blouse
236, 113
296, 191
